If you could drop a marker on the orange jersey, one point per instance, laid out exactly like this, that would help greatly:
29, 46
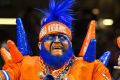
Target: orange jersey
30, 68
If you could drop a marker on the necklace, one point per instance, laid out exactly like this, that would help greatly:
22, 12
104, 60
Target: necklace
63, 73
60, 74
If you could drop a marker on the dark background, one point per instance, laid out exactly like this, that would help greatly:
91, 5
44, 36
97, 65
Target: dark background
84, 10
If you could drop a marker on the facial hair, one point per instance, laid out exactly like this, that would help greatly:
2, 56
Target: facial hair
56, 61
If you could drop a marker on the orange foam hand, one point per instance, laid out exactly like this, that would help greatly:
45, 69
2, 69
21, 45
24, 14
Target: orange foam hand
15, 53
5, 55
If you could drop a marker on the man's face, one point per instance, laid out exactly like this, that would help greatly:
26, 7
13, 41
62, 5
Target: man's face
56, 44
118, 41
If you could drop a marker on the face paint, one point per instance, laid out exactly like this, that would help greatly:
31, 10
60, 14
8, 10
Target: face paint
56, 50
56, 44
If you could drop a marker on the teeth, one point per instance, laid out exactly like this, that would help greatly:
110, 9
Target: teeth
56, 47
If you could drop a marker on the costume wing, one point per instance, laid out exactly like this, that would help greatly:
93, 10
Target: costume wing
22, 41
88, 50
90, 35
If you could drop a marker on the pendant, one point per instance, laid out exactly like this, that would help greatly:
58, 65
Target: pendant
63, 77
48, 77
41, 75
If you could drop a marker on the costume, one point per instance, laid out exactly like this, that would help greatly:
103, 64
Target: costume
56, 60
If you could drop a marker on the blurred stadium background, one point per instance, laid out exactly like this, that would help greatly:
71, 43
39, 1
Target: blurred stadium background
105, 12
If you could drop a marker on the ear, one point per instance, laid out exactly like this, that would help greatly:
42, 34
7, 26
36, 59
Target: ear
71, 44
39, 45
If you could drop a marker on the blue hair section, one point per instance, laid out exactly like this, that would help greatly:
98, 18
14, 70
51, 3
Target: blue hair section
60, 11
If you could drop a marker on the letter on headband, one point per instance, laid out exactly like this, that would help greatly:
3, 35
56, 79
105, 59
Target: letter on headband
54, 28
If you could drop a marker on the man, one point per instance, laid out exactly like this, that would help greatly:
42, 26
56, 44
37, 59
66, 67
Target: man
118, 45
116, 72
56, 60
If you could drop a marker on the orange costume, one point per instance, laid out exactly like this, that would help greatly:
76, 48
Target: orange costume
33, 68
30, 68
19, 65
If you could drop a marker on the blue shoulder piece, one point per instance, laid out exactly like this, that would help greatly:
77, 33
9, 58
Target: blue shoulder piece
105, 58
90, 54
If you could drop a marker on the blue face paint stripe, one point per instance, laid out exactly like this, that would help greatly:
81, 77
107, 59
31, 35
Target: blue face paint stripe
54, 37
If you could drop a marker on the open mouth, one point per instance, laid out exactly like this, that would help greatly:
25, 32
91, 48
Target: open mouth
56, 49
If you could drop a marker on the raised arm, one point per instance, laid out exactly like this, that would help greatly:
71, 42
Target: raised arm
11, 69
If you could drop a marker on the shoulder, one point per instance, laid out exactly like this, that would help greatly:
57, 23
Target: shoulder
79, 62
99, 66
101, 71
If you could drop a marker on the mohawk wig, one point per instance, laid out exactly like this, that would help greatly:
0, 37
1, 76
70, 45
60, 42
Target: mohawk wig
59, 11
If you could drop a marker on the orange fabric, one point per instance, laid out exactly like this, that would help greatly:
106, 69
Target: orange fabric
54, 28
5, 55
13, 70
2, 76
90, 35
101, 72
30, 68
15, 53
82, 70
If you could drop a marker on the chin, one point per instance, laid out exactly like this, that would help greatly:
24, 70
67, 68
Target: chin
57, 53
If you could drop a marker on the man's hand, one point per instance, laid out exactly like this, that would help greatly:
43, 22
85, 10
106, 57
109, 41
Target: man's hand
118, 67
14, 54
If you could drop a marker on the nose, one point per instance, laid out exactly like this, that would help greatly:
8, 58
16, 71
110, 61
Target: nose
57, 39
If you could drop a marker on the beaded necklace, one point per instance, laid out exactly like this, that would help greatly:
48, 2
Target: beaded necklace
61, 76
